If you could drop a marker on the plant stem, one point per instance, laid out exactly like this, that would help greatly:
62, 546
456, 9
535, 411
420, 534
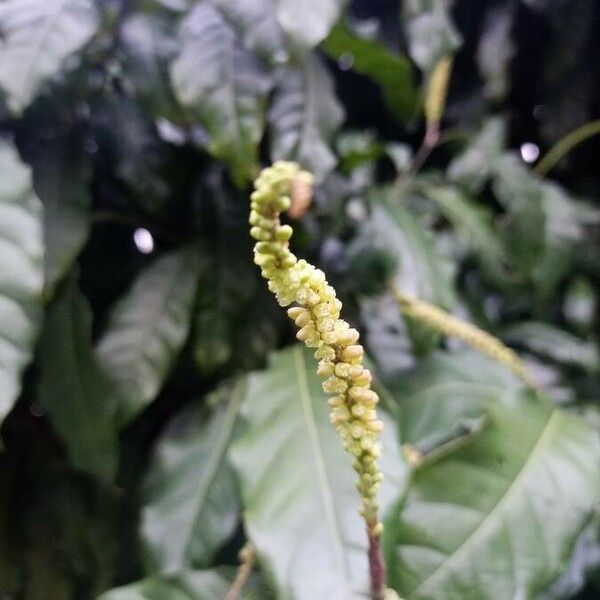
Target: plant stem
376, 566
247, 558
565, 145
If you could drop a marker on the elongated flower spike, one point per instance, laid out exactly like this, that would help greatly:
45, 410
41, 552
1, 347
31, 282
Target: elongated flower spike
317, 315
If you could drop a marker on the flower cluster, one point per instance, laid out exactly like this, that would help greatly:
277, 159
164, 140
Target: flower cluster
317, 316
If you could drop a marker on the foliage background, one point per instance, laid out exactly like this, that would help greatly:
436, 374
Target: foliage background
134, 450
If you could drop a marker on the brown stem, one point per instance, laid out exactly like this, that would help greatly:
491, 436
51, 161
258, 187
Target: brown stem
376, 566
247, 557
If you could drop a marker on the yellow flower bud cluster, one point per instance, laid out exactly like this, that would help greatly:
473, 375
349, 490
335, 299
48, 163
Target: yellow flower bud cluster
317, 316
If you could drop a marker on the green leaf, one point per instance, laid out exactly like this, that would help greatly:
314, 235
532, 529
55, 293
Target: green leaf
21, 281
148, 44
223, 86
473, 222
430, 31
187, 585
309, 25
553, 343
257, 22
422, 272
391, 72
298, 486
37, 37
73, 389
496, 518
147, 328
473, 167
304, 116
190, 506
62, 182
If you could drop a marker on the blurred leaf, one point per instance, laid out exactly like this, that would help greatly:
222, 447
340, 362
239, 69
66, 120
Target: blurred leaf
473, 167
191, 506
21, 279
223, 86
304, 116
391, 72
553, 343
517, 495
128, 140
259, 27
308, 26
495, 51
584, 558
581, 304
187, 585
147, 328
148, 45
37, 37
421, 271
73, 389
236, 319
298, 486
61, 177
473, 222
430, 31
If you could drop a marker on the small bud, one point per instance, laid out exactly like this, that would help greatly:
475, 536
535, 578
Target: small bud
325, 369
349, 337
306, 332
303, 319
295, 311
284, 233
352, 353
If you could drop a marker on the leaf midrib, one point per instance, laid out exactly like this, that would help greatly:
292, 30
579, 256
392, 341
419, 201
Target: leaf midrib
324, 487
544, 436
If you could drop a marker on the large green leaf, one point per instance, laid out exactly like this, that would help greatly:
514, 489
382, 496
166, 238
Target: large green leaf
391, 72
191, 504
148, 327
187, 585
37, 37
62, 180
74, 390
223, 86
304, 116
497, 517
298, 486
21, 278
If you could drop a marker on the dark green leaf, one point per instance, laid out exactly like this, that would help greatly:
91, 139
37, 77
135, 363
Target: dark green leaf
391, 72
74, 390
496, 518
191, 504
37, 37
148, 45
304, 116
62, 181
223, 86
21, 281
298, 486
147, 328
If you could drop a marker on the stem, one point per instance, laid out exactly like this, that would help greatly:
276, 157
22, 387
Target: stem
565, 145
247, 558
376, 566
